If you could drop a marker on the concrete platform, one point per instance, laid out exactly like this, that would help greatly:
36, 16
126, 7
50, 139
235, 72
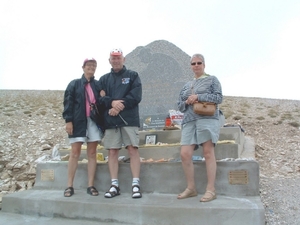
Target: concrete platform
153, 175
237, 185
153, 209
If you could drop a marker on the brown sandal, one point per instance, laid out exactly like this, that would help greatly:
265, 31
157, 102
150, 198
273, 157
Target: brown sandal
208, 196
187, 193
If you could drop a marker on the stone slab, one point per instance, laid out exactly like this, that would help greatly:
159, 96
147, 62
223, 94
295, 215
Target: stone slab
151, 209
163, 178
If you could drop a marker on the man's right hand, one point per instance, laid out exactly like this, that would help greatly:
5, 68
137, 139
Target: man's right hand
118, 105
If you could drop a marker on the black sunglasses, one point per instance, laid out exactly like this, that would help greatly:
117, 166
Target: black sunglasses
198, 63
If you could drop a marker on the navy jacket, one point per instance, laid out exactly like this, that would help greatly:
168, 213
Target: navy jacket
124, 85
74, 104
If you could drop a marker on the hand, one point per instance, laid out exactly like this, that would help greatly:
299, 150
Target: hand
113, 112
69, 128
102, 93
118, 105
191, 99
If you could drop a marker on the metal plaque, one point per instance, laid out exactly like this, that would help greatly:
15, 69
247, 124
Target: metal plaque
238, 177
47, 175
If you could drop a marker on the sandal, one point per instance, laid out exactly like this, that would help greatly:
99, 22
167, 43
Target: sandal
136, 191
187, 193
69, 192
112, 192
208, 196
92, 191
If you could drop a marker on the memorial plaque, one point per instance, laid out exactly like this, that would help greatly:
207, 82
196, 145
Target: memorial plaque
47, 175
238, 177
153, 122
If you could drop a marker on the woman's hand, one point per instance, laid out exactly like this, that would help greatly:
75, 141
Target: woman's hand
69, 128
113, 112
102, 93
191, 100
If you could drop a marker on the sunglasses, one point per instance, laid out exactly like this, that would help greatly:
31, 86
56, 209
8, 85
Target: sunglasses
198, 63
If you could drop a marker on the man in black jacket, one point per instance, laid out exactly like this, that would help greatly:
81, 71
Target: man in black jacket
123, 92
79, 126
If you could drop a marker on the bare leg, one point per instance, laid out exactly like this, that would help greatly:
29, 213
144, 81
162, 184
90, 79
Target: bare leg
186, 154
73, 162
135, 162
211, 165
92, 162
113, 163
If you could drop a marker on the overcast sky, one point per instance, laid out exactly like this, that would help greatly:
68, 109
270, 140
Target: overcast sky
251, 46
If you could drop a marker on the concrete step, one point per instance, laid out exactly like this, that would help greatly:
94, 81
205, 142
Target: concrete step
234, 178
173, 136
171, 145
152, 208
22, 219
222, 151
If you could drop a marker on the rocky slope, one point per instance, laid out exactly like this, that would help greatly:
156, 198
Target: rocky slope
31, 125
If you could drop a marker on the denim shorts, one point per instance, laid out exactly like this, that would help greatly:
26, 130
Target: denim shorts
199, 131
92, 133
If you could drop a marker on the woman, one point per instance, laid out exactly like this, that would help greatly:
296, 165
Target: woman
198, 129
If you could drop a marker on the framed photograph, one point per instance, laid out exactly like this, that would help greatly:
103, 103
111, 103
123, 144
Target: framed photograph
150, 139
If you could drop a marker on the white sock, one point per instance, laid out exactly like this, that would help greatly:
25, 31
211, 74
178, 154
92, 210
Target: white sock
115, 182
135, 181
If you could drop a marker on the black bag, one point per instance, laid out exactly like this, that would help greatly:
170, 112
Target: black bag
96, 114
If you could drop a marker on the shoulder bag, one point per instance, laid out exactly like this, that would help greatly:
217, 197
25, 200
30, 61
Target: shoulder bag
204, 108
96, 113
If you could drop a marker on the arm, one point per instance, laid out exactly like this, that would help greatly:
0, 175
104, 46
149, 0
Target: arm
68, 107
106, 102
215, 95
69, 102
183, 96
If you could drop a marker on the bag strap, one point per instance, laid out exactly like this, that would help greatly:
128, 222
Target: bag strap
192, 86
87, 95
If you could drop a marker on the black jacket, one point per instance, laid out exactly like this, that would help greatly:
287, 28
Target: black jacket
124, 85
74, 104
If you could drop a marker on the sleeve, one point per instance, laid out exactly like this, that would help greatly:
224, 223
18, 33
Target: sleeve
69, 102
106, 100
214, 95
183, 95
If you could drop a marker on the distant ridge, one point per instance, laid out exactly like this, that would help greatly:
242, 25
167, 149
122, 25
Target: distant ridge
163, 69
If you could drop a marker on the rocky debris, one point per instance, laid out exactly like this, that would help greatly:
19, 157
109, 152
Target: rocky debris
31, 128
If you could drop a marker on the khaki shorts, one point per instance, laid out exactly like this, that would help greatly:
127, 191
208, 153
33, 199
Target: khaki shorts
116, 137
92, 133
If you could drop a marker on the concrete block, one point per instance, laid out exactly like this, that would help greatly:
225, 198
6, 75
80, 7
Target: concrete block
156, 209
164, 177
